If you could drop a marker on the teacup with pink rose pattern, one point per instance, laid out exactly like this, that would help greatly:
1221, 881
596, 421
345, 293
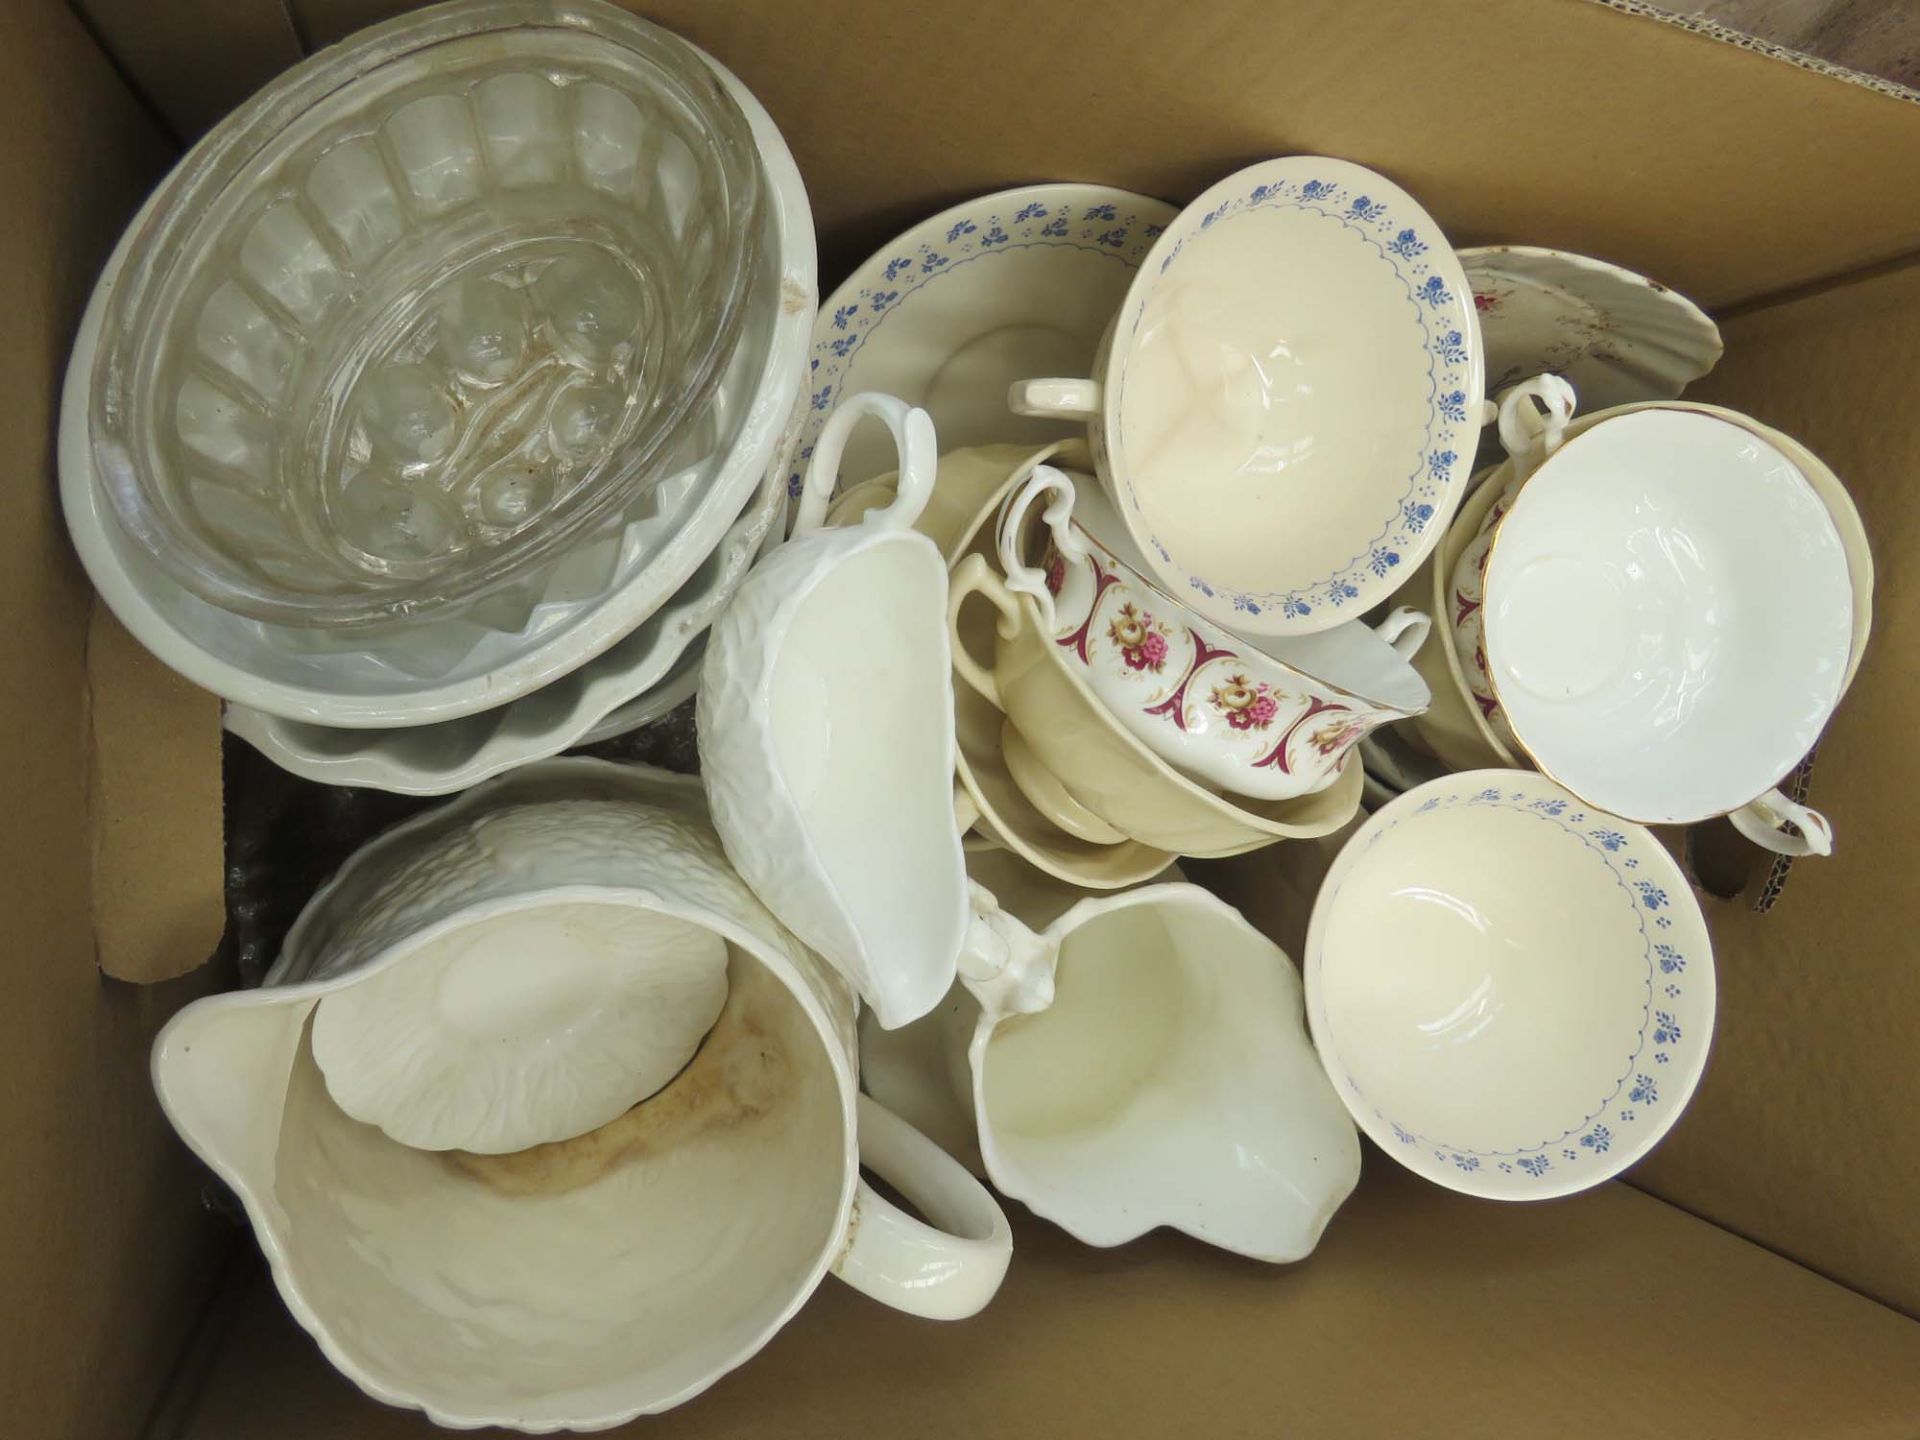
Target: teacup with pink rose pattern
1271, 721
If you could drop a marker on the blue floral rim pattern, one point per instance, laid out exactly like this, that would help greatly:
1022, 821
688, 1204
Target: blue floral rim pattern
855, 312
1439, 465
1657, 1073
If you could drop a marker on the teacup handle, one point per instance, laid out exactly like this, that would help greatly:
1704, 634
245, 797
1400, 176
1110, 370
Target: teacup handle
1022, 578
1055, 399
974, 576
1406, 630
944, 1270
1761, 821
913, 438
1532, 432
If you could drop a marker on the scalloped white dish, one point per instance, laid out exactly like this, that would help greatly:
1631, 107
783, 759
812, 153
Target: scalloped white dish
642, 677
1616, 336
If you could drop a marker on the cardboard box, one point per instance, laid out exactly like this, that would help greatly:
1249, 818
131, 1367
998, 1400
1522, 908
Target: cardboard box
1757, 1276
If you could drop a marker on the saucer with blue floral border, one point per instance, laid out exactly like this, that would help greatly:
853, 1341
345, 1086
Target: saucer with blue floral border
949, 314
1512, 992
1287, 407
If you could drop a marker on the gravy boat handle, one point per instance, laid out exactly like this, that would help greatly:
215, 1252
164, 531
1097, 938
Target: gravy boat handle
913, 439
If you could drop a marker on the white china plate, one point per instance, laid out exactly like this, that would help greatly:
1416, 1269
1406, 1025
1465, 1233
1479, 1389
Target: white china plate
644, 675
305, 677
1668, 616
676, 687
950, 313
1512, 992
1616, 336
1293, 396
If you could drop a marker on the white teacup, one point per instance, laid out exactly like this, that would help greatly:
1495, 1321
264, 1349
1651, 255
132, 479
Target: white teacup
1128, 1062
1668, 621
579, 1284
1269, 718
1286, 408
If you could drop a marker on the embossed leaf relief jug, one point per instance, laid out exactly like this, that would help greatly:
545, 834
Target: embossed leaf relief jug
429, 1113
426, 312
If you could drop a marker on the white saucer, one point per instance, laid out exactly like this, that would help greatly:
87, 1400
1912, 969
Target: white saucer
642, 677
679, 685
1616, 336
949, 314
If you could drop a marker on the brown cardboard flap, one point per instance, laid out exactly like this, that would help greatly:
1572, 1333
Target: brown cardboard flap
1423, 1314
1549, 122
153, 811
108, 1253
194, 60
1801, 1135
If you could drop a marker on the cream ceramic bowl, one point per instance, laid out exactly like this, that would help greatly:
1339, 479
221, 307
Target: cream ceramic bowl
1287, 408
1265, 717
1668, 616
1099, 762
1512, 992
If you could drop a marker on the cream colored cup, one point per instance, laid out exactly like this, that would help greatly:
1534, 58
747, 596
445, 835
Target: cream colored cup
1101, 765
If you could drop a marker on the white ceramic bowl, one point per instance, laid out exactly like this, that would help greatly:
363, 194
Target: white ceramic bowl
1269, 718
1287, 409
1668, 616
418, 675
1512, 992
645, 674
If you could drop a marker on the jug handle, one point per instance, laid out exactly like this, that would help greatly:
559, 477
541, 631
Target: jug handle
913, 439
944, 1270
1005, 966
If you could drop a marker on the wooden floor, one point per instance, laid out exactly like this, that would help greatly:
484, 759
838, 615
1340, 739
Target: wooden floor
1881, 37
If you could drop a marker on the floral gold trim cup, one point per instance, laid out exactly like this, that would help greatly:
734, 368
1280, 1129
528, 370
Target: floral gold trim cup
1098, 761
1228, 710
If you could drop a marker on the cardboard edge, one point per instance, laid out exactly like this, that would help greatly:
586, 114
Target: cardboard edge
155, 814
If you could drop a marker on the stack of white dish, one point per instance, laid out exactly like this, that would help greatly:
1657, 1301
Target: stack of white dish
595, 168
